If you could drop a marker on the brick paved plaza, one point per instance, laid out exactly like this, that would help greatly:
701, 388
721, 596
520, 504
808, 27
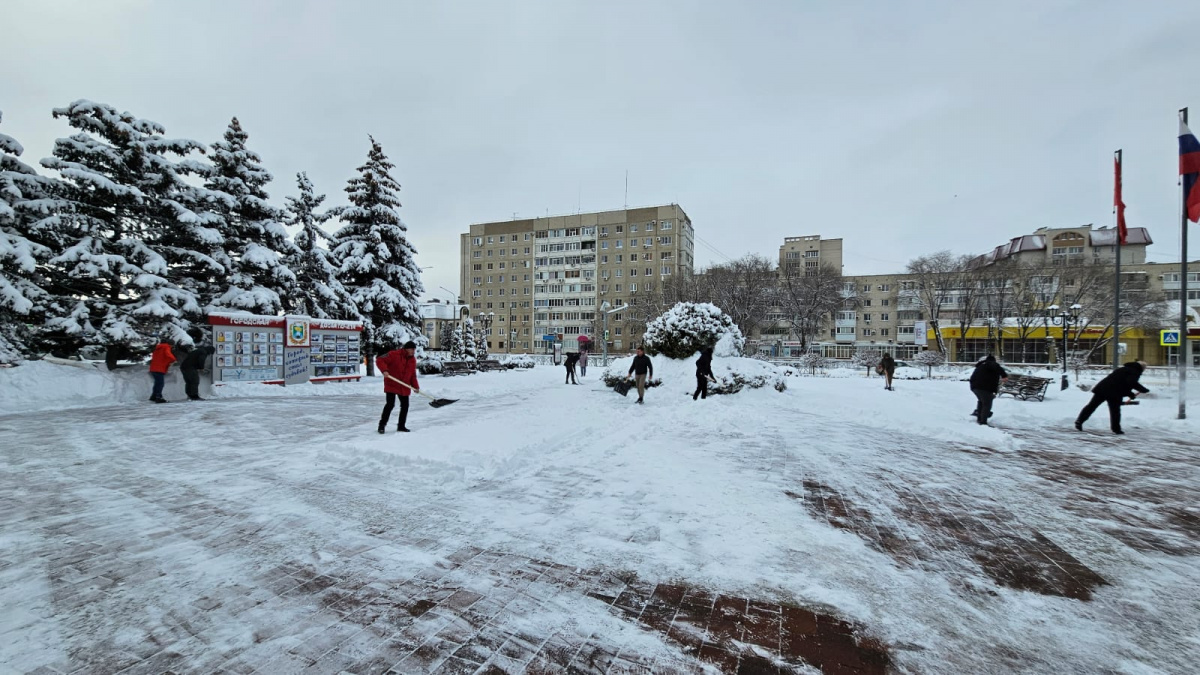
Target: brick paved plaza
236, 537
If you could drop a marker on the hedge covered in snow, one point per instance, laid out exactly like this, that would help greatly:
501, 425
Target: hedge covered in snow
733, 374
689, 327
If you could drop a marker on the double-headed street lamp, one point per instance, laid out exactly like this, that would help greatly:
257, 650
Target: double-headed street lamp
1063, 317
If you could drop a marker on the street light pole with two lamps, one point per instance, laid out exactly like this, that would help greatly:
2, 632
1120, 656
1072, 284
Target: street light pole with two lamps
1062, 317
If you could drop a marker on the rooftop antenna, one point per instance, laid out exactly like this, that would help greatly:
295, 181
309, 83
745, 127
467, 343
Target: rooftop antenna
579, 199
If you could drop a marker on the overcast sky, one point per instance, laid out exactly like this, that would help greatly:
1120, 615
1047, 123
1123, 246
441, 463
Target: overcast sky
901, 127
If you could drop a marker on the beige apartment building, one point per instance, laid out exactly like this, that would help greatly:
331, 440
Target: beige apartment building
539, 281
810, 252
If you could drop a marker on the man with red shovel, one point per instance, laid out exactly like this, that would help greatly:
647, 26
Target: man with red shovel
399, 364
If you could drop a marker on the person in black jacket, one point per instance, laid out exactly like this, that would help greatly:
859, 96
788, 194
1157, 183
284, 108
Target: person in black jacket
1120, 383
645, 371
572, 359
985, 383
887, 367
190, 368
703, 373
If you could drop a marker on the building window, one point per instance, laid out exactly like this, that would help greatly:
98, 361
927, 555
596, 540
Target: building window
475, 254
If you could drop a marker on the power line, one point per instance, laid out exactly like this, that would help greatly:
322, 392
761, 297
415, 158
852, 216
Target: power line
712, 248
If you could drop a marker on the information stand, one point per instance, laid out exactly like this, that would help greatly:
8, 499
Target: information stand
284, 349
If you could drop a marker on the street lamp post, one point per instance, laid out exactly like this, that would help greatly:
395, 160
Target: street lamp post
604, 307
1062, 317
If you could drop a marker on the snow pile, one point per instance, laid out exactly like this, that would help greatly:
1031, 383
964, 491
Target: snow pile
689, 327
429, 364
38, 385
519, 361
733, 374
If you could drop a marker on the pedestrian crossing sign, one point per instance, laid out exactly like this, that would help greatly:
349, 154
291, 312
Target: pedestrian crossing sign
1168, 338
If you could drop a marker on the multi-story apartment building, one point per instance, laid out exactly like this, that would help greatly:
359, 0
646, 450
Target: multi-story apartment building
887, 312
544, 280
810, 252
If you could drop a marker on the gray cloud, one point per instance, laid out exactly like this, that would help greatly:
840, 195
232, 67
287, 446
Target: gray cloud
900, 127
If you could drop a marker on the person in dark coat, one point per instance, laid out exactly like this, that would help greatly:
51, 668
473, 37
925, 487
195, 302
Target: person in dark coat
572, 359
400, 364
887, 367
704, 373
985, 384
190, 367
1120, 383
644, 370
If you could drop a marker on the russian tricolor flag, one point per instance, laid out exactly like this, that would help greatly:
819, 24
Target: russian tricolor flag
1189, 168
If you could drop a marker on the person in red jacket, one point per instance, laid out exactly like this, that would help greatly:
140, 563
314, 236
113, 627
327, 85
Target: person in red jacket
400, 364
159, 362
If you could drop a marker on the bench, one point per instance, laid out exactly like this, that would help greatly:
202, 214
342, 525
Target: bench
1024, 387
456, 368
490, 364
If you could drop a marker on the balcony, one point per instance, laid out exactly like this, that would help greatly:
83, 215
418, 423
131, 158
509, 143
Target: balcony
850, 323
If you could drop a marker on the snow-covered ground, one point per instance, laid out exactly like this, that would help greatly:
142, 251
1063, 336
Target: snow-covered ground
1025, 546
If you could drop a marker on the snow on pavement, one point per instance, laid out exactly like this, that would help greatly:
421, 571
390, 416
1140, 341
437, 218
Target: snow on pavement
273, 529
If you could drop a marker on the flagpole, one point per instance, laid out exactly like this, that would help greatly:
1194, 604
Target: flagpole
1117, 295
1182, 350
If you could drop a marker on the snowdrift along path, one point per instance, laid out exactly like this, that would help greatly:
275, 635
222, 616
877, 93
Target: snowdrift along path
271, 532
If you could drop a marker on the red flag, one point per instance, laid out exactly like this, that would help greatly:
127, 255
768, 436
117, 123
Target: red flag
1122, 231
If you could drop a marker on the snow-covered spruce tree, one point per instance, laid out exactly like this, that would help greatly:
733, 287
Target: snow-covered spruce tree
318, 292
468, 340
255, 241
689, 327
867, 358
481, 347
122, 197
455, 345
376, 264
22, 212
930, 358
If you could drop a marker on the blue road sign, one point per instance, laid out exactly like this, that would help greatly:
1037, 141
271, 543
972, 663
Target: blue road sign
1168, 338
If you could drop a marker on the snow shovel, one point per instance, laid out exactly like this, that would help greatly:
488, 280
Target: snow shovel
435, 402
622, 387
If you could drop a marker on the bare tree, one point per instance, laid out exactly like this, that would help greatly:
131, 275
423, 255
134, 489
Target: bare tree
808, 297
1091, 287
935, 278
967, 298
744, 289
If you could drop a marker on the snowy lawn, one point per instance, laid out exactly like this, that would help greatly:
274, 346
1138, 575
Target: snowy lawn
273, 529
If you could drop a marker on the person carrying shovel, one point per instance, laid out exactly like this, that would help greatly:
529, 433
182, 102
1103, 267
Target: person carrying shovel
399, 368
